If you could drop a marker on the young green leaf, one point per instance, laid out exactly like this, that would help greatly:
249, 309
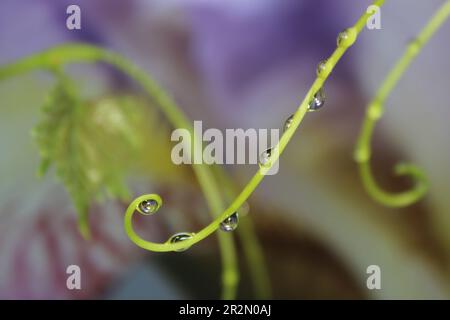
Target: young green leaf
92, 145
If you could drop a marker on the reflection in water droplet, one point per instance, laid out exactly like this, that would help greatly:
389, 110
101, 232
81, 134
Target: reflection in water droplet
179, 237
318, 101
264, 158
321, 67
342, 37
230, 223
347, 37
148, 206
288, 122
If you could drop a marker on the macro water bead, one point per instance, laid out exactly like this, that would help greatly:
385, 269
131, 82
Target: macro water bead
342, 37
264, 158
318, 101
288, 122
148, 206
346, 38
321, 68
179, 237
230, 223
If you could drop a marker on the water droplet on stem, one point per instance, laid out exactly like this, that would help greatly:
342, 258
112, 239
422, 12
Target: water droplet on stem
148, 206
321, 68
179, 237
230, 223
288, 122
318, 101
265, 158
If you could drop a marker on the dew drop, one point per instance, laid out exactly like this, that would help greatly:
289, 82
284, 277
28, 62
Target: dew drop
179, 237
264, 158
318, 101
230, 223
148, 206
321, 68
288, 122
342, 38
346, 38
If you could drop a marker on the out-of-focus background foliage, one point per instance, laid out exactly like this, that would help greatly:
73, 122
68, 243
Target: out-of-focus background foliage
233, 64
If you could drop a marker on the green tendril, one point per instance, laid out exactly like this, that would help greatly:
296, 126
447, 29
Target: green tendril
83, 53
375, 111
253, 252
345, 40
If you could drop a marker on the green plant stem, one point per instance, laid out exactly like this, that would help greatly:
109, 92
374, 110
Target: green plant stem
353, 33
374, 112
73, 53
253, 252
255, 260
82, 53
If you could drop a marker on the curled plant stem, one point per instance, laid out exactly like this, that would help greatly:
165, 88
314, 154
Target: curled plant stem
83, 53
73, 53
374, 112
352, 34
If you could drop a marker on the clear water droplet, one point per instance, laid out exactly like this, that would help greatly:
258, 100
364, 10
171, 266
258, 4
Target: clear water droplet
321, 67
318, 101
288, 122
148, 206
347, 37
264, 158
179, 237
230, 223
342, 38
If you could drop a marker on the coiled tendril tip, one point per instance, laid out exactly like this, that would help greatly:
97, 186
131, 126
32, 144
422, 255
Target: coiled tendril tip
375, 111
149, 204
401, 199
